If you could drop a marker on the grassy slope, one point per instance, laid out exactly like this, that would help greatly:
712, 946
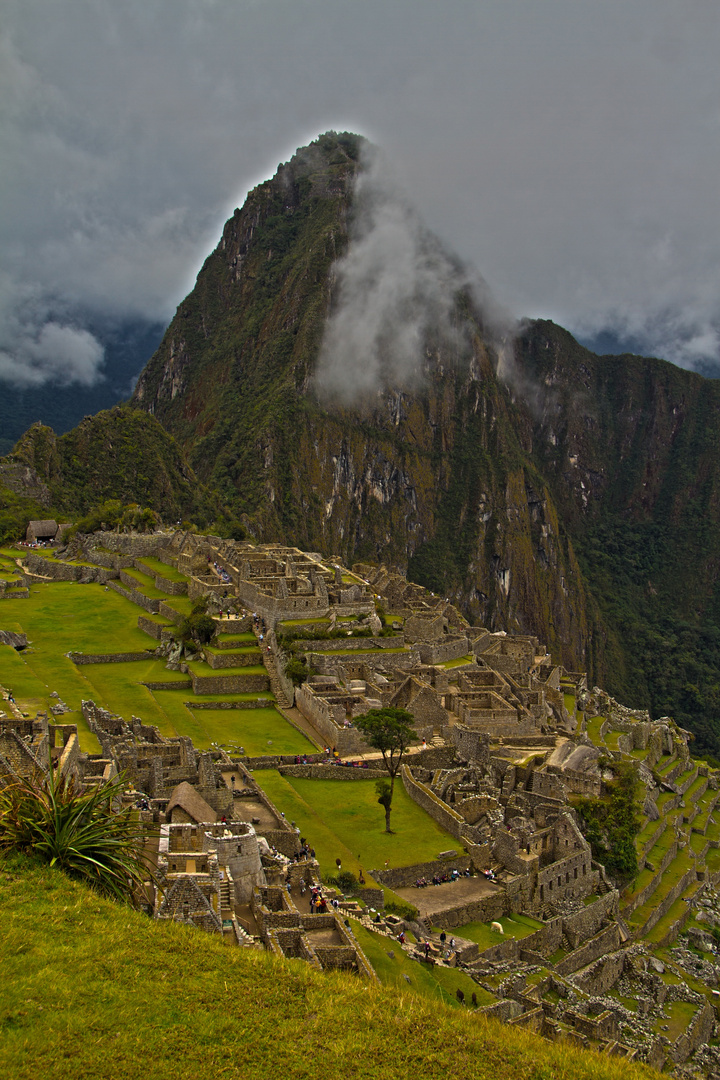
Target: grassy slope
342, 820
91, 989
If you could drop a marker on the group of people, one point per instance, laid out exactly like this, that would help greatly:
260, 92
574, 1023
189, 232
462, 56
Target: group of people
442, 879
222, 573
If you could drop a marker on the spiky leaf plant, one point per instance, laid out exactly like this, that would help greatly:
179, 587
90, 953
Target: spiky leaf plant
81, 830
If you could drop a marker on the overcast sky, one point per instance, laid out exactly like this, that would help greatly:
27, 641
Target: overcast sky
569, 150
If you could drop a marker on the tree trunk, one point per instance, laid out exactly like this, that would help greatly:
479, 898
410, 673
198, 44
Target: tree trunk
388, 805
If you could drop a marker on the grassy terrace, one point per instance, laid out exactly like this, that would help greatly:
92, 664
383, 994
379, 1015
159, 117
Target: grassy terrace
246, 648
202, 1025
60, 617
592, 726
181, 604
257, 731
155, 566
460, 662
400, 971
666, 764
144, 584
199, 667
671, 876
514, 926
694, 787
342, 820
302, 622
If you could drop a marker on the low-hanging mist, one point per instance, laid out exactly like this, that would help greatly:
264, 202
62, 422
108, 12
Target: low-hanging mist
397, 298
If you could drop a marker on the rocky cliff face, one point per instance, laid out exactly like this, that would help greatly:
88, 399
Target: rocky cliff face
577, 501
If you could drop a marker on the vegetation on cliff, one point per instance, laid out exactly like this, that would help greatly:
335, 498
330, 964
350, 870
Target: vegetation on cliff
118, 468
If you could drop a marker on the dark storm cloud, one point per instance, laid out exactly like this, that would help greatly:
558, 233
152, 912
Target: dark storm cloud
568, 151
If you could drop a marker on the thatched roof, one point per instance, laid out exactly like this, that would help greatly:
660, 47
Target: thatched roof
187, 798
37, 529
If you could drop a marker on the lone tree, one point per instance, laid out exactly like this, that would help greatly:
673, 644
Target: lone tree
390, 731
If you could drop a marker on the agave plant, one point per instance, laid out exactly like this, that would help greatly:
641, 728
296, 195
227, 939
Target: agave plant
82, 831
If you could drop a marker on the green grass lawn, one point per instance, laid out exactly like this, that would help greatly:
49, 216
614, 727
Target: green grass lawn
342, 819
156, 566
515, 926
259, 731
181, 604
592, 726
670, 877
199, 667
460, 662
403, 973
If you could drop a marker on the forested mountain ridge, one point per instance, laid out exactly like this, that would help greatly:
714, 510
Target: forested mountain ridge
630, 448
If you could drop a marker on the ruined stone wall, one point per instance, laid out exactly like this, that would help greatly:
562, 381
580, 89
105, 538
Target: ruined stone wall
440, 652
149, 626
332, 772
320, 714
608, 940
404, 877
472, 745
602, 975
69, 763
110, 658
578, 783
569, 877
438, 810
229, 684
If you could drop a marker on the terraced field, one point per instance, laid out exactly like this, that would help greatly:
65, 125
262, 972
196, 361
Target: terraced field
64, 617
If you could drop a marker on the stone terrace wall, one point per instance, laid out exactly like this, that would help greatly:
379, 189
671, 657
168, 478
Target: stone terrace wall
59, 571
332, 772
439, 811
169, 613
439, 652
324, 663
229, 684
148, 603
608, 940
135, 544
149, 626
484, 909
404, 877
109, 658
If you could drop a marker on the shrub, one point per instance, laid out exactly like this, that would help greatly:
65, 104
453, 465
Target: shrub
198, 626
81, 831
401, 909
346, 882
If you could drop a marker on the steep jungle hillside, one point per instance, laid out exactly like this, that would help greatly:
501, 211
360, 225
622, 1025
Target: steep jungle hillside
576, 500
630, 447
118, 454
